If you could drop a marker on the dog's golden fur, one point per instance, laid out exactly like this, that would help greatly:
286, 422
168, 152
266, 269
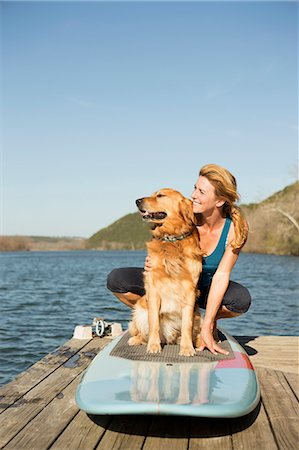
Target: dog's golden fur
165, 314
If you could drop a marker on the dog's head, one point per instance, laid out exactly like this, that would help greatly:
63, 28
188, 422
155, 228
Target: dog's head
169, 210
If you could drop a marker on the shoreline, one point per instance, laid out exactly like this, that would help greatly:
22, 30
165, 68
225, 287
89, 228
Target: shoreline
61, 249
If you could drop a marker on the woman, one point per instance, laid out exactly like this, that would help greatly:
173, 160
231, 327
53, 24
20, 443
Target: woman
223, 232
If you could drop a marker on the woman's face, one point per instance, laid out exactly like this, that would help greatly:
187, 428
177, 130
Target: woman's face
203, 197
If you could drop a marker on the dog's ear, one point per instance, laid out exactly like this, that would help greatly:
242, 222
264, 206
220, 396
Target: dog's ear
186, 211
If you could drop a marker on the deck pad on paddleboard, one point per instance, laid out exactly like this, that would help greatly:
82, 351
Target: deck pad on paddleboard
204, 385
169, 353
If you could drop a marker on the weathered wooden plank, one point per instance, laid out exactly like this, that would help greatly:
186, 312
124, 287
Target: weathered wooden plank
13, 419
281, 407
253, 431
82, 433
273, 352
210, 434
18, 387
293, 380
125, 433
168, 432
51, 420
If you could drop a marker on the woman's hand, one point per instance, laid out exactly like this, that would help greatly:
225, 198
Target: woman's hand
207, 341
147, 264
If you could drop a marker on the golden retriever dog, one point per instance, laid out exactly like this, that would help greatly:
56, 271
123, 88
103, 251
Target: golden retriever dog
165, 314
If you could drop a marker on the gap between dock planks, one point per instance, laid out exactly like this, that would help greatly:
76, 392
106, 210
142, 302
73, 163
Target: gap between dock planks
39, 410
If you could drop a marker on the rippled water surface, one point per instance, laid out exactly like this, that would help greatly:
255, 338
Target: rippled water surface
44, 295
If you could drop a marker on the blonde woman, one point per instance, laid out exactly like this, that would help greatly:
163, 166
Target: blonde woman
223, 232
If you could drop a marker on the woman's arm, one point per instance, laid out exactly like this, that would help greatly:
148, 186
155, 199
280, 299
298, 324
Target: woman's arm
219, 284
217, 290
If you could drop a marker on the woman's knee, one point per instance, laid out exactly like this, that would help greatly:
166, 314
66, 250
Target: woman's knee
126, 279
114, 280
238, 299
244, 300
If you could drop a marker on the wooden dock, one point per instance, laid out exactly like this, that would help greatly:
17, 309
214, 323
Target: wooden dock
38, 409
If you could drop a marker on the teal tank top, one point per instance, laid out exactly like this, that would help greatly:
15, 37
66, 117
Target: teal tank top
210, 263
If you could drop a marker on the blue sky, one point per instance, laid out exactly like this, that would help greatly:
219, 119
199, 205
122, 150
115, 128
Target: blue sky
104, 102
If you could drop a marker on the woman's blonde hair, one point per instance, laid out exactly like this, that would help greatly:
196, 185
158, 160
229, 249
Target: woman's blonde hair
226, 189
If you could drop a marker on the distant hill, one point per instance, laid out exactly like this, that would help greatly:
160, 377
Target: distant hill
274, 223
129, 232
273, 227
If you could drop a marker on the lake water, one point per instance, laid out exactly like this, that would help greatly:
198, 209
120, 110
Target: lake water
44, 295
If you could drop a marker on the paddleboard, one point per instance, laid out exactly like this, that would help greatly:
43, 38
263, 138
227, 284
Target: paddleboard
125, 379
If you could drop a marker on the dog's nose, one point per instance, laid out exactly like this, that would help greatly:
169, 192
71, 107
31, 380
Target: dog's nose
139, 201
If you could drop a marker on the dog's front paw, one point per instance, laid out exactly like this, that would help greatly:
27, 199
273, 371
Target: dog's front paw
135, 340
154, 347
187, 350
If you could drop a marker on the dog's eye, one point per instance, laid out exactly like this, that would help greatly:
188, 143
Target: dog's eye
160, 195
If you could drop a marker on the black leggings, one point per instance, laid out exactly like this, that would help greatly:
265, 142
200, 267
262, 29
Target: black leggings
130, 279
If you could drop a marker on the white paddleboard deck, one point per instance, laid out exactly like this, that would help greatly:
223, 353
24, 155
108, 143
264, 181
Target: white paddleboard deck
138, 383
